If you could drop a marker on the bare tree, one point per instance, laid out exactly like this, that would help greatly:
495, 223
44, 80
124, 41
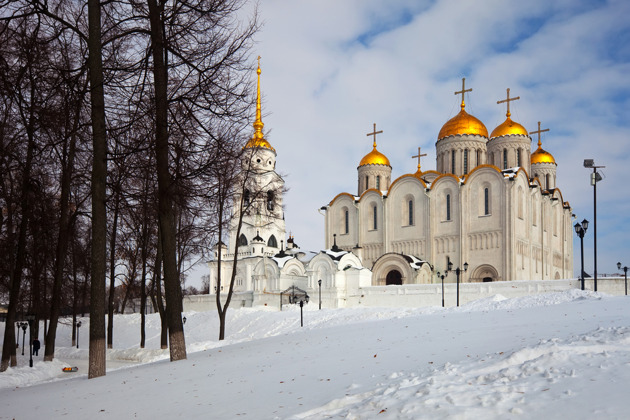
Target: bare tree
99, 175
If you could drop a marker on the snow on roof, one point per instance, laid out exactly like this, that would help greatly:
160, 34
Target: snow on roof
414, 262
510, 172
281, 261
335, 255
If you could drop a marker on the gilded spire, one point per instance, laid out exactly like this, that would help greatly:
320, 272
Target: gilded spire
258, 124
258, 139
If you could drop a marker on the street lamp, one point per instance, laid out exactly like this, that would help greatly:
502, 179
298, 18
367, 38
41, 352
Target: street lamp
319, 282
30, 319
625, 273
441, 276
78, 326
580, 229
23, 325
595, 178
458, 271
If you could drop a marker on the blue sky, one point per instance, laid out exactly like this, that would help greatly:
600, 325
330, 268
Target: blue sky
330, 69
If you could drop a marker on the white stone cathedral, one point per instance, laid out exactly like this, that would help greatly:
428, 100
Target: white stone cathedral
492, 206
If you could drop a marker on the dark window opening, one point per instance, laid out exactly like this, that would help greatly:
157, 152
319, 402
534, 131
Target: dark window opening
270, 200
465, 161
375, 225
393, 277
448, 207
486, 204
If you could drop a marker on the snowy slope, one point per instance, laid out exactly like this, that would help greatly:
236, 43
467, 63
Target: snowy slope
561, 355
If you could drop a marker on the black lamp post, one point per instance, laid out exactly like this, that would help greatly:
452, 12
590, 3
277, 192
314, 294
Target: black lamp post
183, 323
23, 325
458, 271
78, 326
319, 282
441, 276
625, 273
595, 178
30, 319
580, 229
17, 339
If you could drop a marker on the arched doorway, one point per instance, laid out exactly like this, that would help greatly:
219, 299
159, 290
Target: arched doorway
393, 277
485, 273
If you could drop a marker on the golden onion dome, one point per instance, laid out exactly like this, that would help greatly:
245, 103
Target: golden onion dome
258, 142
463, 123
542, 156
258, 139
509, 128
374, 158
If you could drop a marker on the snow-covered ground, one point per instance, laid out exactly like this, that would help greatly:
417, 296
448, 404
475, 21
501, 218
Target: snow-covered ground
560, 355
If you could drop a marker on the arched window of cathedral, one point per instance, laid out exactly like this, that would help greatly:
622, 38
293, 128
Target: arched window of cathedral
242, 240
486, 201
547, 182
452, 161
374, 224
505, 160
270, 200
518, 157
448, 207
366, 183
378, 182
272, 242
465, 161
346, 221
246, 197
410, 210
478, 158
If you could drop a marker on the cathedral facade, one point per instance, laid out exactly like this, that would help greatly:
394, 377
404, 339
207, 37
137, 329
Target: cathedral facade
491, 208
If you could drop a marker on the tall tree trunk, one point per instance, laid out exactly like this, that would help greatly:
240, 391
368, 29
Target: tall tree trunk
112, 273
172, 288
158, 291
143, 277
97, 361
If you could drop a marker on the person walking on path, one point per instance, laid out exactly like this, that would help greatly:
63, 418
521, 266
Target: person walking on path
36, 346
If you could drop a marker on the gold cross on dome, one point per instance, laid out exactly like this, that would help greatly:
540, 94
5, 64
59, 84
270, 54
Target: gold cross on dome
538, 132
463, 91
374, 133
508, 100
419, 155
